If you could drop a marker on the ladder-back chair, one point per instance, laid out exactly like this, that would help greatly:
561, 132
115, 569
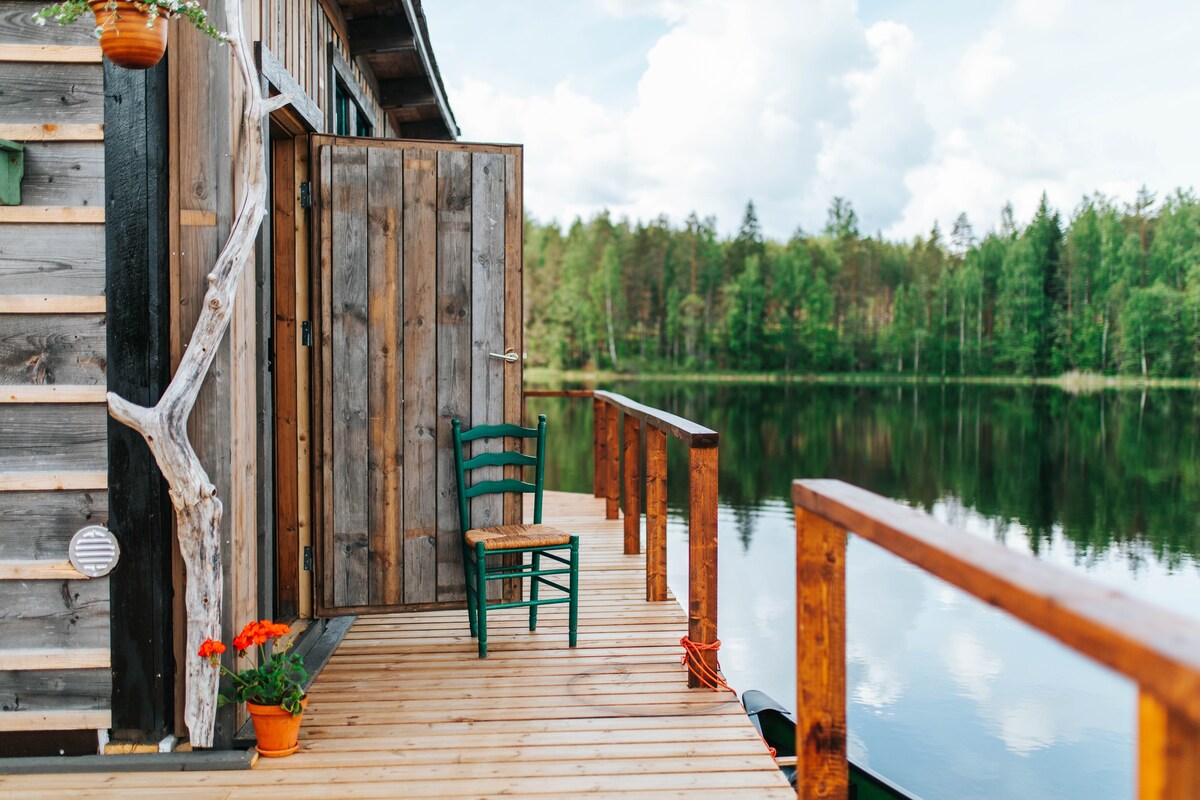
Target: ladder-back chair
536, 539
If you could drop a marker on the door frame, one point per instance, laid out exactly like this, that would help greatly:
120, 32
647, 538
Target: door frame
286, 480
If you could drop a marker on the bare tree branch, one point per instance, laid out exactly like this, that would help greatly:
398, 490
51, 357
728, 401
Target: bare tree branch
164, 426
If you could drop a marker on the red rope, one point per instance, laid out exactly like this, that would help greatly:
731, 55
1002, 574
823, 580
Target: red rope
695, 663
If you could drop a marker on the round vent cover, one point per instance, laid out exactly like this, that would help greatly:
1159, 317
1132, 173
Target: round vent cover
94, 551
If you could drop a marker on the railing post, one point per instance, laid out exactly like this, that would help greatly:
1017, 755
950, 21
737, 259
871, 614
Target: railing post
702, 554
1168, 752
633, 485
656, 514
599, 440
612, 471
822, 770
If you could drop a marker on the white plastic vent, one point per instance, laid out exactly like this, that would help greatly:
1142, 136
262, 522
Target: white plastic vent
94, 551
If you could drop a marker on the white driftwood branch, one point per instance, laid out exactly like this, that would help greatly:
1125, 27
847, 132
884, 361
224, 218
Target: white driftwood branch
164, 426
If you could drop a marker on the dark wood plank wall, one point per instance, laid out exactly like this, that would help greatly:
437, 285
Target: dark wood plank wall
54, 623
53, 359
423, 240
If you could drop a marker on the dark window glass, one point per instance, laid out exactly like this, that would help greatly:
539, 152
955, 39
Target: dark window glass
341, 111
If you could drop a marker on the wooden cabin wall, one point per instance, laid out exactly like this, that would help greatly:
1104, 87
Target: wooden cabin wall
203, 119
54, 623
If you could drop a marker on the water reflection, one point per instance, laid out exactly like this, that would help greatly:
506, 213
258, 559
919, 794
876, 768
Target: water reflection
947, 696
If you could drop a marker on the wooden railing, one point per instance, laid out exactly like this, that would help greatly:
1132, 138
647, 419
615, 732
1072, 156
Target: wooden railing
1157, 649
614, 412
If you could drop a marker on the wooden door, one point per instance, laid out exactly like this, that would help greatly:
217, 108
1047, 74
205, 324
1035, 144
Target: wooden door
419, 249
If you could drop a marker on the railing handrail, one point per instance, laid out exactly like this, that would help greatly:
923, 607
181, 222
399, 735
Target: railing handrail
685, 430
640, 420
1156, 648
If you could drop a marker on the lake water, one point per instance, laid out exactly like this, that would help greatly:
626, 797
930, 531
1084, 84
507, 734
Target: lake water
948, 697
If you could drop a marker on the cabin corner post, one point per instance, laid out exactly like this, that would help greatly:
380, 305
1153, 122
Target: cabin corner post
633, 485
198, 511
702, 556
1168, 752
822, 770
137, 331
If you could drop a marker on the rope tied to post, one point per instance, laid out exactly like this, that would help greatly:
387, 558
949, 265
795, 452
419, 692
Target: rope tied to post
694, 661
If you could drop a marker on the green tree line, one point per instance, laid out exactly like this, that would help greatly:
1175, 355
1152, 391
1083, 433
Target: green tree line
1114, 289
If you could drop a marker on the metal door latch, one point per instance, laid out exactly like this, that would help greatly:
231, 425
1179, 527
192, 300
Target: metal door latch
508, 355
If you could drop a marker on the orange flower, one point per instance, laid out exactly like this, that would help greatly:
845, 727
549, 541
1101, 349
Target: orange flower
211, 650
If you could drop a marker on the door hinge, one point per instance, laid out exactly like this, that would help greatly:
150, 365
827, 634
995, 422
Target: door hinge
305, 194
308, 559
306, 333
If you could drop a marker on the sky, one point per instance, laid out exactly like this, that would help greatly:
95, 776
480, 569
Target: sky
914, 110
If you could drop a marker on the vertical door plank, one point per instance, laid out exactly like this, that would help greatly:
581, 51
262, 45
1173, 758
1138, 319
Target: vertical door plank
513, 324
487, 319
283, 240
420, 374
384, 236
322, 430
656, 514
308, 438
822, 770
453, 357
350, 365
514, 236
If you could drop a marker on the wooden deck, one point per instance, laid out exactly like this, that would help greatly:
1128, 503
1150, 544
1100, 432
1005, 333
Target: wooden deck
405, 709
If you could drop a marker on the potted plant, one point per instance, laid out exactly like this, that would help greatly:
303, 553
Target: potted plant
273, 691
132, 33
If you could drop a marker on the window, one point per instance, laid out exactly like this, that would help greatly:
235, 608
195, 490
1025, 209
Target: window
350, 104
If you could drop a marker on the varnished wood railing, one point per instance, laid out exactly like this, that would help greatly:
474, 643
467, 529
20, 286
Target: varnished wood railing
1155, 648
611, 413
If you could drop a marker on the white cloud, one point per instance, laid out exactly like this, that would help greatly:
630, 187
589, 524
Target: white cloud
789, 102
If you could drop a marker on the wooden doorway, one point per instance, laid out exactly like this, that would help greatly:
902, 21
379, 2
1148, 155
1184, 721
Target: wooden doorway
288, 498
419, 272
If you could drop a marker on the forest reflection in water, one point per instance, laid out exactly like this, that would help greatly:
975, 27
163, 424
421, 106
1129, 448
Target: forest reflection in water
948, 697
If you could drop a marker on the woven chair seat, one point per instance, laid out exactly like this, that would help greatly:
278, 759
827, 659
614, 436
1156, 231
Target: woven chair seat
510, 537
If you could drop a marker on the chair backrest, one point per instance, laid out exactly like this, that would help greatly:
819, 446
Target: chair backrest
503, 458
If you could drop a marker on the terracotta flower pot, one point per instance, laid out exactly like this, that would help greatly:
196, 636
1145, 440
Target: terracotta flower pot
277, 731
125, 38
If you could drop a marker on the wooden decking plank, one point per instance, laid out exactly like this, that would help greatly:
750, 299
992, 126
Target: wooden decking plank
405, 708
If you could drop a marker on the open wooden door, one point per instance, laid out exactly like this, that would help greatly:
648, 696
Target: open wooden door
419, 286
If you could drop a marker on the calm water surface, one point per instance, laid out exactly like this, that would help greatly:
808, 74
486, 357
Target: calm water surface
947, 696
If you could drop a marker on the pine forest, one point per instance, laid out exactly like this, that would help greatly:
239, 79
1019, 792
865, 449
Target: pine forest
1113, 290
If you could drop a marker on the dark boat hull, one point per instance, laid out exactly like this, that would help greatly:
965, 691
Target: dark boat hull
777, 726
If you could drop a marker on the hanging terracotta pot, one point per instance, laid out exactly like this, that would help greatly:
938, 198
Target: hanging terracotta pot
277, 731
125, 37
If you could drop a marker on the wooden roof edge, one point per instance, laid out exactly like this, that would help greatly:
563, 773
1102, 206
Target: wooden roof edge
420, 29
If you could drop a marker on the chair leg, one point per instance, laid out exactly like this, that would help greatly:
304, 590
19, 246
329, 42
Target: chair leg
533, 591
469, 583
574, 614
481, 596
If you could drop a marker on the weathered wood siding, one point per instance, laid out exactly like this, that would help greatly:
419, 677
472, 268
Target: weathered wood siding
203, 123
54, 623
54, 466
417, 235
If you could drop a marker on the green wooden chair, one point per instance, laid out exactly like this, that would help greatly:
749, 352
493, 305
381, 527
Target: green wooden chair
537, 539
